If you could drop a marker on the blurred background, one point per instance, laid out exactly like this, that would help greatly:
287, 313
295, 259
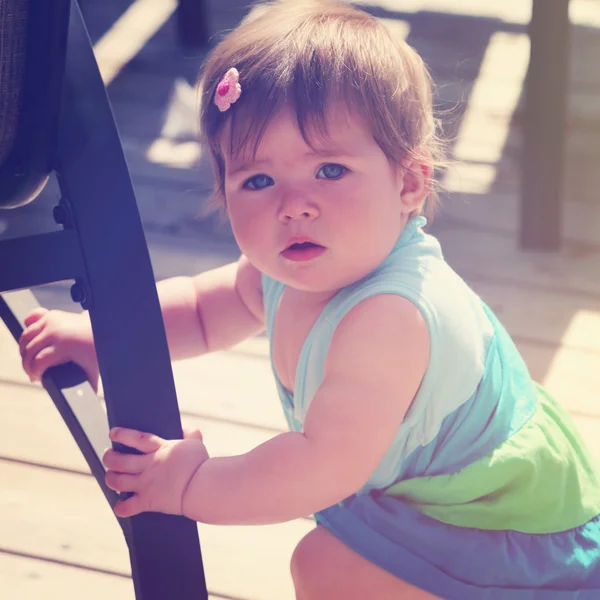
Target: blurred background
59, 540
478, 55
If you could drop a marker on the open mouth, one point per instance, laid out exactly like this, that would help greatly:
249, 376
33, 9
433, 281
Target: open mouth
303, 251
303, 245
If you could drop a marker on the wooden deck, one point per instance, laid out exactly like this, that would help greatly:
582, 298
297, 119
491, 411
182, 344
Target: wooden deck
58, 537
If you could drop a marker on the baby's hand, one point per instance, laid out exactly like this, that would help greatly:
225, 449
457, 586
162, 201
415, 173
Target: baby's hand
55, 337
159, 477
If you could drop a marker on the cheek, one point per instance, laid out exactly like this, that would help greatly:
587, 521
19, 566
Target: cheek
248, 223
371, 216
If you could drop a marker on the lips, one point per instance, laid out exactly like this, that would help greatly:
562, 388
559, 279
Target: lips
302, 248
301, 240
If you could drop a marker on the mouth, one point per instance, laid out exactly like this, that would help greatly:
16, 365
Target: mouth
303, 245
303, 251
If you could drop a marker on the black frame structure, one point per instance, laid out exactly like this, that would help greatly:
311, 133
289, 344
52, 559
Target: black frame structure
193, 29
68, 127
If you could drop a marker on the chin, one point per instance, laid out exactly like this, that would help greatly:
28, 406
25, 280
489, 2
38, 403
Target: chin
304, 280
320, 278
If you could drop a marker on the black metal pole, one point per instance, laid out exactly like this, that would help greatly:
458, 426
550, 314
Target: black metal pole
544, 132
121, 296
33, 260
193, 29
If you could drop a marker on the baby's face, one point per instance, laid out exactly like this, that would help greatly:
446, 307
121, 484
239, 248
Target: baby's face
315, 221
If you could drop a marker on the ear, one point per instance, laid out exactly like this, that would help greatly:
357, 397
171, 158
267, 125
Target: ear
416, 182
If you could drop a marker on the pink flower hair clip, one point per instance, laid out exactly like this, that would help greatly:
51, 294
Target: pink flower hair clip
229, 90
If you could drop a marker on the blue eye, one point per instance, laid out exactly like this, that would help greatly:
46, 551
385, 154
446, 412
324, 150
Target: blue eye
258, 182
331, 171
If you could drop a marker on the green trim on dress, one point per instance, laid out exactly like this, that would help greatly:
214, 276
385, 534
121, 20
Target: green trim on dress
541, 480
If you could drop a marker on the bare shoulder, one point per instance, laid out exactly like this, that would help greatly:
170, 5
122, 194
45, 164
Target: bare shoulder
375, 364
381, 337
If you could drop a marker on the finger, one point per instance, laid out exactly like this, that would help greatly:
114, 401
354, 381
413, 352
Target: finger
29, 335
32, 349
35, 315
47, 357
130, 507
134, 464
140, 440
189, 433
121, 482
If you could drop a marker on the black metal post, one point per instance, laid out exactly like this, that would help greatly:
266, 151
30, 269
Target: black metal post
33, 260
121, 296
545, 120
193, 28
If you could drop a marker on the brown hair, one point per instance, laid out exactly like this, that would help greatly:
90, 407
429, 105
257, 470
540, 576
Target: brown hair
306, 55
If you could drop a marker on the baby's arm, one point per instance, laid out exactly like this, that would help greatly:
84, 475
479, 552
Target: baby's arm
211, 311
375, 364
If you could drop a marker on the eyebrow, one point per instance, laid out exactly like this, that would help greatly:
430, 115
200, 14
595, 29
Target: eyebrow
328, 152
248, 165
251, 165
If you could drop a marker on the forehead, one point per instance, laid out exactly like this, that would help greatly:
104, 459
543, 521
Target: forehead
337, 131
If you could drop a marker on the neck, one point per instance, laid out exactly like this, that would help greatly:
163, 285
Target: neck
312, 299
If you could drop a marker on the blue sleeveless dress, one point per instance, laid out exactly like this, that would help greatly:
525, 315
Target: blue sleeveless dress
487, 491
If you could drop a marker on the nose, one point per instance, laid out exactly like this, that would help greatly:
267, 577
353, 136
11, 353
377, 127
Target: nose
295, 206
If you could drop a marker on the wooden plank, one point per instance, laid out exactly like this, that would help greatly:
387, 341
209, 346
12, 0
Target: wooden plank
28, 577
478, 240
35, 435
34, 432
41, 516
10, 365
571, 376
32, 577
589, 429
558, 335
205, 385
60, 516
48, 502
559, 319
230, 386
